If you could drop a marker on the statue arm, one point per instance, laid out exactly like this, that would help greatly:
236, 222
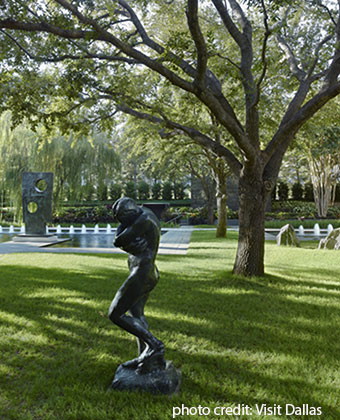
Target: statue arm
125, 236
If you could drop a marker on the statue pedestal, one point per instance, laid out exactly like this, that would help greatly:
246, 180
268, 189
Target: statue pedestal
23, 237
165, 380
39, 241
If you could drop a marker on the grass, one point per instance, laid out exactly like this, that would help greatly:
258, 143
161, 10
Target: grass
270, 340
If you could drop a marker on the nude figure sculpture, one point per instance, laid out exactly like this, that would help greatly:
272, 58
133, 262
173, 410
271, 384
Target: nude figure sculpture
138, 234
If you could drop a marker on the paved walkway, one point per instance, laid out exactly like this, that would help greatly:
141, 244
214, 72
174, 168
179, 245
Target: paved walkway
174, 241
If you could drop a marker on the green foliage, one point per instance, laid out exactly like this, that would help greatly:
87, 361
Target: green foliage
130, 190
167, 191
80, 166
308, 192
295, 208
298, 209
156, 190
89, 193
297, 191
143, 190
7, 214
274, 192
102, 193
116, 191
283, 191
83, 215
337, 193
179, 190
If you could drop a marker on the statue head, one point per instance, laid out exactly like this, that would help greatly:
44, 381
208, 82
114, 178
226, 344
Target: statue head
126, 210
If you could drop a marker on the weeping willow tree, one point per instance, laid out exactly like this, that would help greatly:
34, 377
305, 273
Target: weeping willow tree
17, 154
83, 168
80, 165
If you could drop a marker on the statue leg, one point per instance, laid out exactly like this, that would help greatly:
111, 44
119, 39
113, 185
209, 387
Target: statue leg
128, 296
137, 311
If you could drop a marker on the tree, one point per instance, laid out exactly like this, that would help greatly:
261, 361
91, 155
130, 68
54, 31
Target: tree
167, 191
18, 151
116, 191
324, 163
109, 50
318, 147
297, 191
130, 190
143, 190
156, 190
283, 191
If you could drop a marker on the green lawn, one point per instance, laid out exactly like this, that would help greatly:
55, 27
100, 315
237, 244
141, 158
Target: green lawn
273, 340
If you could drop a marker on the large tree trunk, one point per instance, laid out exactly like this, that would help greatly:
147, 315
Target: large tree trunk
221, 187
252, 201
211, 210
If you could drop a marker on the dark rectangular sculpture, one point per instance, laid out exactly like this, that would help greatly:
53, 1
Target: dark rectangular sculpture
37, 188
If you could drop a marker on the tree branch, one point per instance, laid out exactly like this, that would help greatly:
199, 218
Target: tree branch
328, 11
263, 54
245, 24
194, 134
182, 64
127, 49
244, 41
214, 99
45, 27
278, 145
64, 57
197, 36
228, 22
334, 68
317, 50
293, 65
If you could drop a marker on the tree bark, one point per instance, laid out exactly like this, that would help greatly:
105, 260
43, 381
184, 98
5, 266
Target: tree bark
211, 211
250, 253
221, 196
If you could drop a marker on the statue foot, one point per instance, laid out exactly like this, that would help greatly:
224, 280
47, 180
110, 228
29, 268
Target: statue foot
150, 355
132, 364
152, 360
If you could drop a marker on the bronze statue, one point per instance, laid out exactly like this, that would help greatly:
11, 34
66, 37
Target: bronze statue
138, 234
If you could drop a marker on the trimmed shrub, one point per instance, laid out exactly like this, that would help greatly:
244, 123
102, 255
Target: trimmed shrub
89, 195
308, 195
130, 190
283, 191
337, 193
297, 191
84, 215
156, 190
143, 190
179, 190
116, 191
102, 193
167, 191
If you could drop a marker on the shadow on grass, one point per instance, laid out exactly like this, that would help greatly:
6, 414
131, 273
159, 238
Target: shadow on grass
231, 336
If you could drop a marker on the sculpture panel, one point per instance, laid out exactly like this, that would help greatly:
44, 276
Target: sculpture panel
37, 190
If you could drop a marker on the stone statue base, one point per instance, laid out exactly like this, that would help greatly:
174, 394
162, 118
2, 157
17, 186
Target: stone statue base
39, 241
166, 380
23, 237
